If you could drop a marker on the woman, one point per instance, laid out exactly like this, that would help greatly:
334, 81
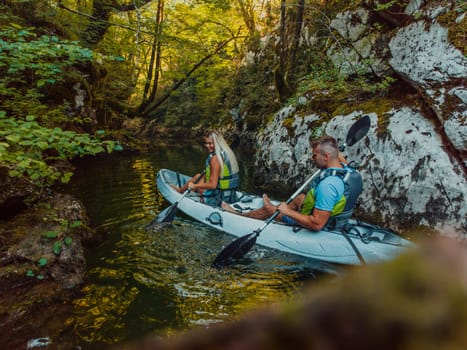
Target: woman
220, 178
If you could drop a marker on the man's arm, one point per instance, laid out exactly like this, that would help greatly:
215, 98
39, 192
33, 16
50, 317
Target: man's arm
315, 221
327, 194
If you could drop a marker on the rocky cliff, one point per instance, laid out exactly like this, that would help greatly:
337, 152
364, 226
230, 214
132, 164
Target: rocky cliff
413, 158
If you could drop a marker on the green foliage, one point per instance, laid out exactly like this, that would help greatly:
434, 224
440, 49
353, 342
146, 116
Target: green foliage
68, 240
42, 262
28, 149
325, 76
57, 247
44, 58
36, 72
51, 234
250, 92
461, 6
317, 132
385, 6
198, 28
76, 223
29, 66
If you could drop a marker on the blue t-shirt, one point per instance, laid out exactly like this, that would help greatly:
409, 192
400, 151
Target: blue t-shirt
328, 192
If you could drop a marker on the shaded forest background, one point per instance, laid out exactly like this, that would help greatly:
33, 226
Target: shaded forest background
80, 77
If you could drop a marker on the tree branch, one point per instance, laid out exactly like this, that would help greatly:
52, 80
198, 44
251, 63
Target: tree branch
153, 106
99, 20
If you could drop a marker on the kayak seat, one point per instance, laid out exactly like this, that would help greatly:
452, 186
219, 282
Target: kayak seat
245, 198
373, 233
237, 206
241, 209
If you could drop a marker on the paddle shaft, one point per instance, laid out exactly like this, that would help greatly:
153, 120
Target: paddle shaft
242, 245
188, 190
291, 198
168, 214
197, 179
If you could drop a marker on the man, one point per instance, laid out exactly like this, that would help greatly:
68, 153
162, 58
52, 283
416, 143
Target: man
330, 199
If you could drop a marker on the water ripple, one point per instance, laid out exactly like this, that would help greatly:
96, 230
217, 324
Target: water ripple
159, 281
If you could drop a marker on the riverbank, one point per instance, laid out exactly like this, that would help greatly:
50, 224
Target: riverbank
41, 265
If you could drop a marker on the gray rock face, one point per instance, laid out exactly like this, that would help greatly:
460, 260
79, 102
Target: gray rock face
358, 48
408, 177
414, 172
424, 57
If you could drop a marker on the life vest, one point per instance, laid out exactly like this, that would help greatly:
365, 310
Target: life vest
227, 179
226, 186
343, 209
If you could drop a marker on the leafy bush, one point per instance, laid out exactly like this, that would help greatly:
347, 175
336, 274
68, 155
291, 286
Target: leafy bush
45, 58
28, 149
29, 65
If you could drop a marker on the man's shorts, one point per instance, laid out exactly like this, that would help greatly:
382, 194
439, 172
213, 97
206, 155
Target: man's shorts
288, 220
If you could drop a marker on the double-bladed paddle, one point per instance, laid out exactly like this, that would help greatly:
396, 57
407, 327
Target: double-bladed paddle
242, 245
239, 247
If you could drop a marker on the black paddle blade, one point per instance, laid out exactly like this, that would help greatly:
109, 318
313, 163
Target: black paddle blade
235, 250
358, 130
168, 214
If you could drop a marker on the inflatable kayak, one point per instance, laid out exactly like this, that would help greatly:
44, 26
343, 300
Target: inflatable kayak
362, 243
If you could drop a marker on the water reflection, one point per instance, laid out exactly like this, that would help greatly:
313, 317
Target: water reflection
161, 281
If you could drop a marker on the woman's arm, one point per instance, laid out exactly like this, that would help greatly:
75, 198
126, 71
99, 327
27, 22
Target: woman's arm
213, 178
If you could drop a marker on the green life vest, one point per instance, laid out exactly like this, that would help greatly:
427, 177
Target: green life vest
343, 209
227, 179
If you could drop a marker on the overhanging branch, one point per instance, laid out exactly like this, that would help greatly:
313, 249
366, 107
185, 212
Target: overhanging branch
153, 106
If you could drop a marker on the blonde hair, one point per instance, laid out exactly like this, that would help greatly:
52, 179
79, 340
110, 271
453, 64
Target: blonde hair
221, 147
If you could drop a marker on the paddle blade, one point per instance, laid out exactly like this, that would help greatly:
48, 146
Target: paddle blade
358, 130
235, 250
168, 214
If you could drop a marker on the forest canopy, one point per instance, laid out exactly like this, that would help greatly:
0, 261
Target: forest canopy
87, 66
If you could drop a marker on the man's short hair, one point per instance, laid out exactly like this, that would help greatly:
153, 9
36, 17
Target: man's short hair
324, 140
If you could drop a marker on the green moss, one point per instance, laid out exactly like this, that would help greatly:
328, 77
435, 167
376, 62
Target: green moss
457, 32
288, 124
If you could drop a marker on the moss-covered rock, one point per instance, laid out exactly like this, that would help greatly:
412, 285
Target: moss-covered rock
41, 264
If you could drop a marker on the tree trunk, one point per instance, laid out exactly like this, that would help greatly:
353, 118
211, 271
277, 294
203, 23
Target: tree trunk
153, 105
99, 23
155, 62
296, 24
248, 14
99, 19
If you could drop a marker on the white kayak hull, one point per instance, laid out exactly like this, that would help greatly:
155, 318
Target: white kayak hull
373, 243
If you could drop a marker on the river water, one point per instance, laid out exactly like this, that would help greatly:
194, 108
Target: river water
142, 282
